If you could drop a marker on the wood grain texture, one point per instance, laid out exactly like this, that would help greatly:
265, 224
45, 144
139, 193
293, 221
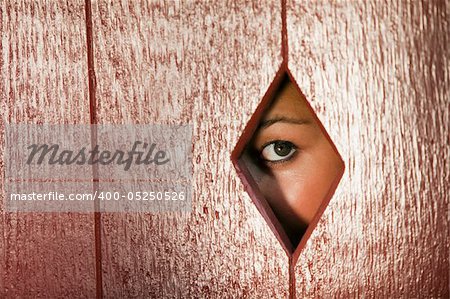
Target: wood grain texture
208, 64
377, 74
43, 67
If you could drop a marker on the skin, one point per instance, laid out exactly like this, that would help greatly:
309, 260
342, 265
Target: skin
296, 185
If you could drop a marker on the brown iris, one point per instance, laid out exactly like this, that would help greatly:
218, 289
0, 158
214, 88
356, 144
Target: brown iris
283, 148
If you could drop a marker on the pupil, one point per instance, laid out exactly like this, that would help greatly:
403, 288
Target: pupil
282, 148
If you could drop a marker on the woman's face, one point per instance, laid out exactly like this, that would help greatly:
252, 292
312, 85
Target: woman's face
295, 163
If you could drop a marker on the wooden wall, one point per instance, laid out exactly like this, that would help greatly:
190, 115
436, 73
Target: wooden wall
377, 74
43, 66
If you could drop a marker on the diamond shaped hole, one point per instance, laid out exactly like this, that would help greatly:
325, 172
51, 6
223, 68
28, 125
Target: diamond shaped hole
287, 162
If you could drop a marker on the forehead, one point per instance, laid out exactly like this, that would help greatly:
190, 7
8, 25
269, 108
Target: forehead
289, 102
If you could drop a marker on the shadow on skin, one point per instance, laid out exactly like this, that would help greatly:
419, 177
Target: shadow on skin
292, 161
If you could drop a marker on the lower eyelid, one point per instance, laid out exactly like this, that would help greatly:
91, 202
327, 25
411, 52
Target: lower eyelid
282, 160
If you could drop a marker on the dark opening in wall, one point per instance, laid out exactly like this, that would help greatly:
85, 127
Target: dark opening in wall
287, 162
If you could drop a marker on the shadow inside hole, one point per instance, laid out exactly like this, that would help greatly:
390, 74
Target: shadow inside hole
292, 161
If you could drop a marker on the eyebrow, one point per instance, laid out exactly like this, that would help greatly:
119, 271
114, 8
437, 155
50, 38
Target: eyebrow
283, 119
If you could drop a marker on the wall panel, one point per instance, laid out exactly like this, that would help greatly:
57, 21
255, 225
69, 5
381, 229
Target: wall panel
377, 74
208, 64
44, 69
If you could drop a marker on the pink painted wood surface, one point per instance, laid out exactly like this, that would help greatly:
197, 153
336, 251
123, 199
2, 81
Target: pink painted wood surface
376, 73
208, 64
43, 66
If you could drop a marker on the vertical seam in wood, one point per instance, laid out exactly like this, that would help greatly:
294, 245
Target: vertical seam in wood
93, 122
284, 38
291, 278
284, 54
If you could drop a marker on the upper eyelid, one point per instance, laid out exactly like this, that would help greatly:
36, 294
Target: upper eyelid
277, 140
273, 134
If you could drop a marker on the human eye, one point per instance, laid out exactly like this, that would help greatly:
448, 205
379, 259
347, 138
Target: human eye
278, 151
